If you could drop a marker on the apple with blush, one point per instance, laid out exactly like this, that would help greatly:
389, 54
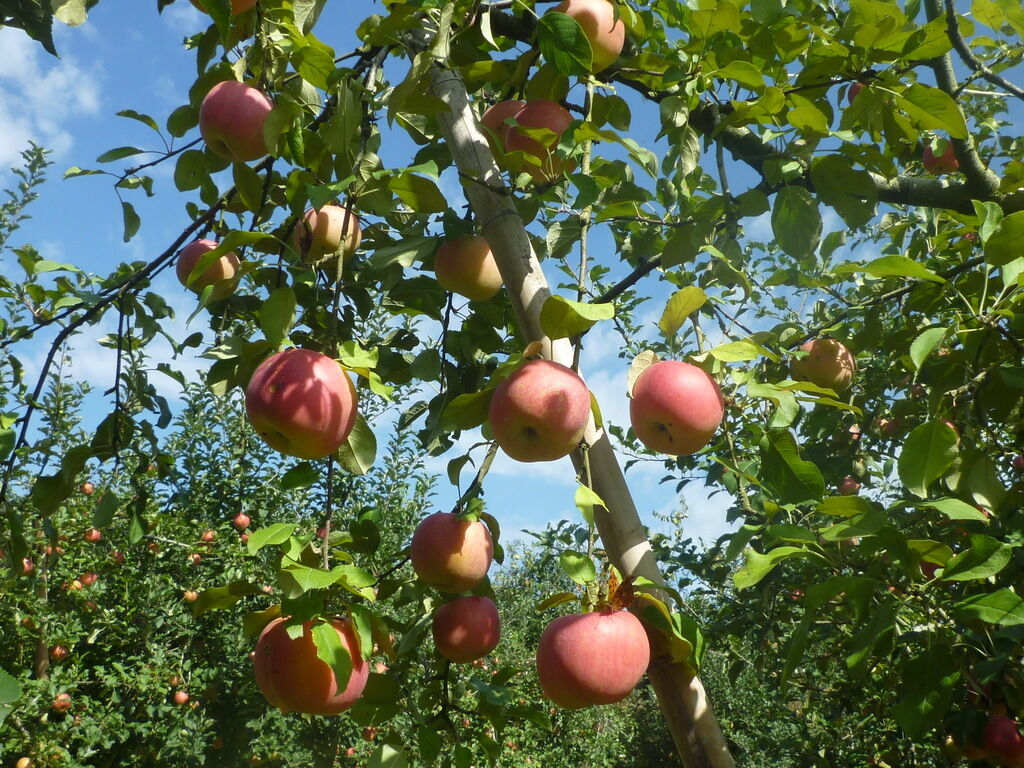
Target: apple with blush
466, 629
321, 235
450, 553
466, 266
676, 407
231, 120
605, 32
540, 412
302, 403
493, 120
549, 120
241, 521
222, 274
828, 363
939, 158
237, 6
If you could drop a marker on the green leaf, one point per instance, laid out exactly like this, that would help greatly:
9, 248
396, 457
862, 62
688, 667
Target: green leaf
254, 622
419, 193
680, 306
249, 185
131, 114
132, 222
932, 109
578, 566
561, 318
103, 515
844, 506
736, 351
1003, 607
793, 480
301, 475
865, 524
362, 624
586, 499
954, 509
277, 314
927, 453
387, 756
314, 65
796, 222
217, 598
849, 190
10, 688
558, 599
984, 558
1003, 245
924, 344
466, 411
117, 154
359, 451
926, 689
900, 266
331, 651
757, 566
564, 44
264, 537
7, 440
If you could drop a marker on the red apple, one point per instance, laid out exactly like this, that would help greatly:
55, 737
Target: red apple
928, 569
466, 266
208, 536
552, 117
493, 119
828, 364
450, 553
93, 535
321, 234
676, 407
27, 566
849, 486
222, 274
606, 33
380, 668
301, 403
180, 698
195, 558
466, 629
1003, 740
241, 521
350, 752
853, 90
62, 702
117, 557
540, 412
59, 653
244, 538
89, 578
889, 427
592, 658
190, 595
1018, 462
231, 120
294, 679
87, 488
945, 162
369, 733
237, 6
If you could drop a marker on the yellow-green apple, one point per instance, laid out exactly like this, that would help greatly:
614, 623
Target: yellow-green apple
592, 658
466, 266
466, 629
301, 403
944, 162
293, 678
237, 6
493, 120
24, 762
827, 363
321, 234
231, 120
539, 413
221, 274
606, 33
450, 553
543, 163
676, 407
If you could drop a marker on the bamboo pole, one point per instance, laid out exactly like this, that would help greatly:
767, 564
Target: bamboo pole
681, 696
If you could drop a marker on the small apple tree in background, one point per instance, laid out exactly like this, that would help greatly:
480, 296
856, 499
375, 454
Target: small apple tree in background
867, 350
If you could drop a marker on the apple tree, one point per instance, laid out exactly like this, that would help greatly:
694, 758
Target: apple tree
824, 227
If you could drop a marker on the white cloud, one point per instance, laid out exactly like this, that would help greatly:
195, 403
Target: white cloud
40, 97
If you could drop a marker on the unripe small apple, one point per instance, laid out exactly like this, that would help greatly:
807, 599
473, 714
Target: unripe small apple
231, 120
350, 752
540, 412
466, 266
241, 521
93, 535
222, 274
945, 162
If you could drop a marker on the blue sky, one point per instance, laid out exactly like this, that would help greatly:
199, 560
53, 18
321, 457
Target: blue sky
129, 57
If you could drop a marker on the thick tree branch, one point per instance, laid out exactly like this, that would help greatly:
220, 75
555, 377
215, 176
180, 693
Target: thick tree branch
972, 61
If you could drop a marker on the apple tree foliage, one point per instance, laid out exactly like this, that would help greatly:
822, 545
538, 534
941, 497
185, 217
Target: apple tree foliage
772, 209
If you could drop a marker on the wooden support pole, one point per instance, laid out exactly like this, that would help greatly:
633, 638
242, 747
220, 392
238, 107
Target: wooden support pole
682, 698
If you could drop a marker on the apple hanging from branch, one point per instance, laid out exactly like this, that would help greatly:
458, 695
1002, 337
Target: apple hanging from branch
320, 235
222, 274
675, 408
450, 553
231, 120
466, 629
828, 363
605, 32
466, 266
